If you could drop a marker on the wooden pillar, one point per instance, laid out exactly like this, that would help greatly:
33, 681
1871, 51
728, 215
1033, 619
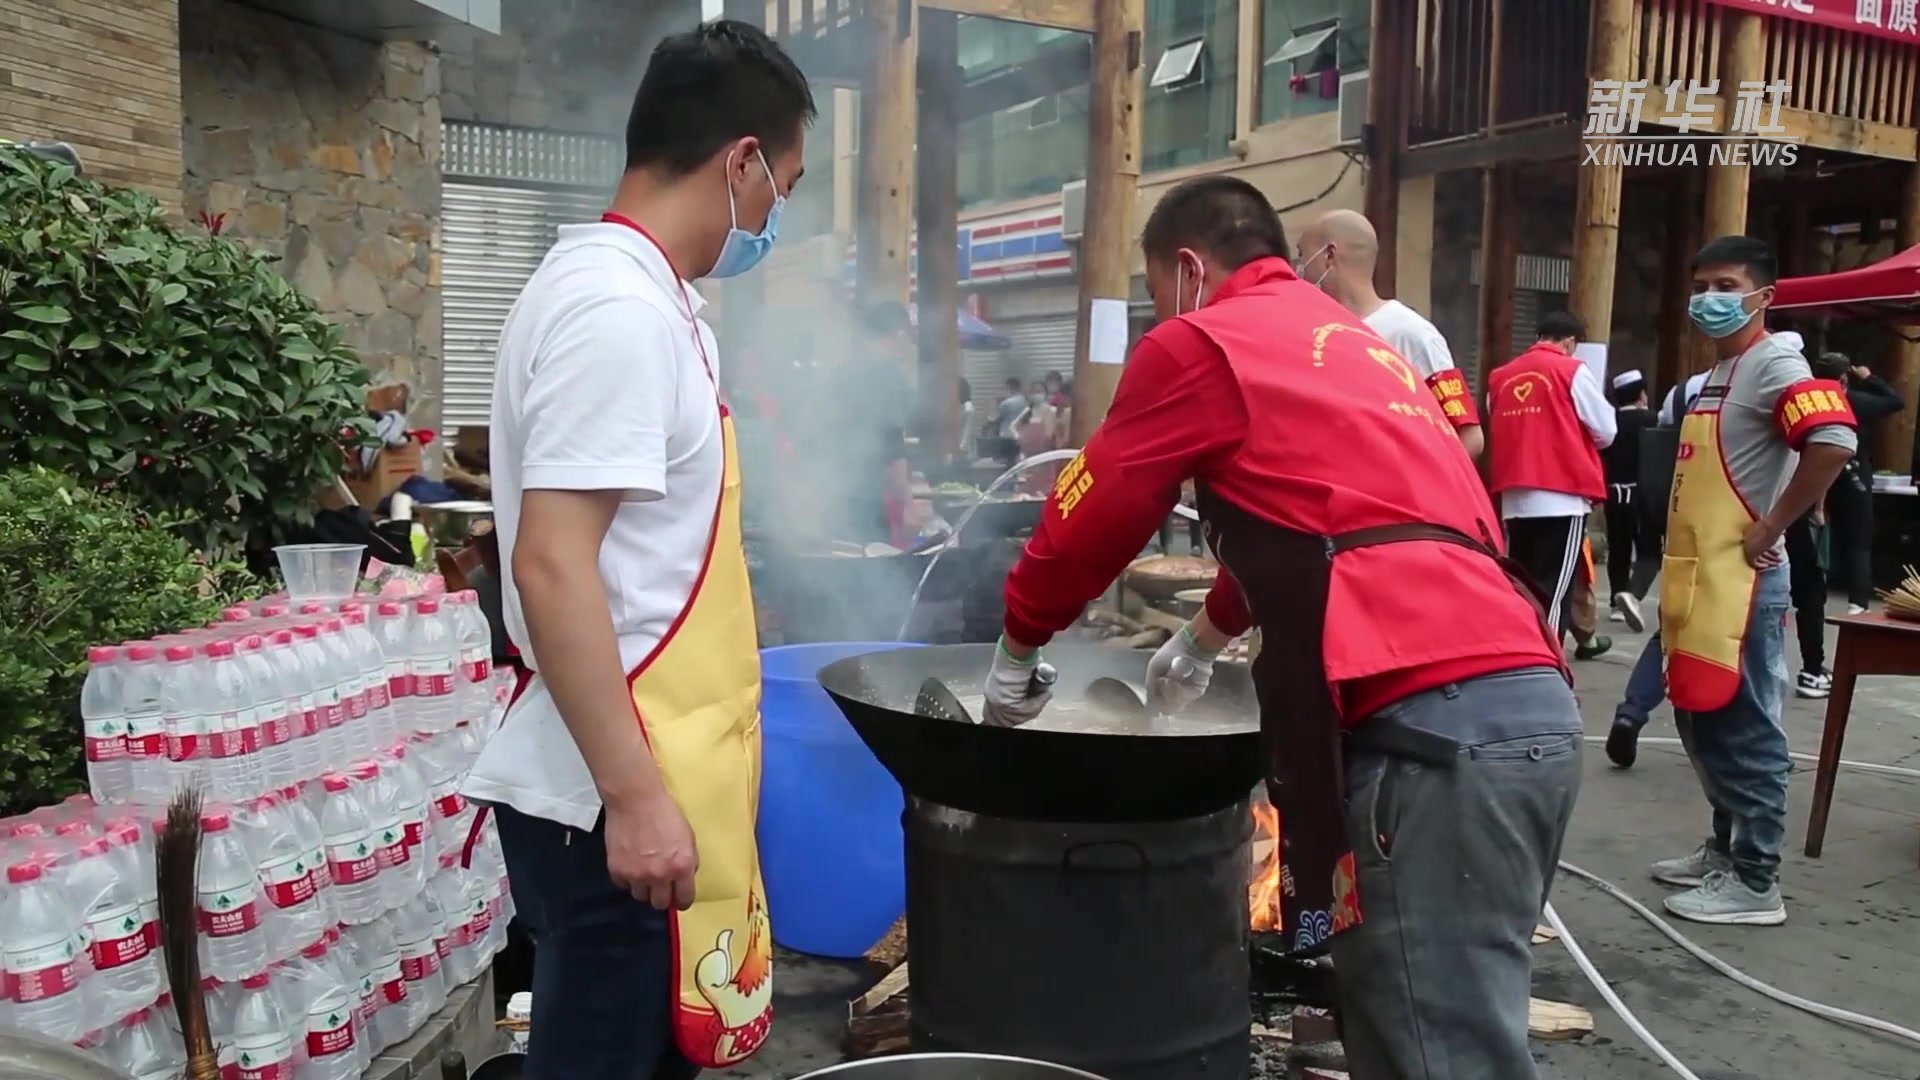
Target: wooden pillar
937, 188
1743, 59
1113, 176
1499, 250
1388, 106
1596, 237
1895, 450
1682, 240
1249, 71
884, 214
743, 298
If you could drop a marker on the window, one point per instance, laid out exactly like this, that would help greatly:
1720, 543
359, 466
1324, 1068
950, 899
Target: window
1179, 65
1033, 146
1187, 117
1307, 46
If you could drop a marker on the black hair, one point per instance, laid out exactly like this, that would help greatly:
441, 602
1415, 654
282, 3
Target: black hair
1561, 325
885, 318
1015, 382
719, 82
1054, 376
1627, 392
1743, 251
1222, 216
1833, 365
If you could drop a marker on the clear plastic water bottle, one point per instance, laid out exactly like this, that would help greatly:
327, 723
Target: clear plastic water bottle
349, 950
287, 877
127, 974
412, 796
40, 939
305, 756
137, 855
413, 931
305, 824
366, 654
443, 775
275, 711
432, 656
233, 934
144, 1047
476, 655
331, 1049
261, 1035
103, 722
395, 1012
456, 893
233, 727
352, 861
183, 709
147, 766
399, 875
390, 633
354, 692
326, 679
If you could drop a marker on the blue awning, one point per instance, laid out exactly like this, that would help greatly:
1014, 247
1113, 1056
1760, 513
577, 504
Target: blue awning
975, 333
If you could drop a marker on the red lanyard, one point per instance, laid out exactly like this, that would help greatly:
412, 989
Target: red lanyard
686, 301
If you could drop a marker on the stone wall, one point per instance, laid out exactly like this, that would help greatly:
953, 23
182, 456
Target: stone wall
103, 75
564, 65
324, 150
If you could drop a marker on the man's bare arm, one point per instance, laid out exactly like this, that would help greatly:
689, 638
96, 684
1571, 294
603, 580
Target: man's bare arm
1820, 465
1474, 439
556, 570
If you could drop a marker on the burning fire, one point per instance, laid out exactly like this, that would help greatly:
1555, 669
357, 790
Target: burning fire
1263, 888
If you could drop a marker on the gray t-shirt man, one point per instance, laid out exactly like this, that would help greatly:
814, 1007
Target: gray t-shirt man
1757, 454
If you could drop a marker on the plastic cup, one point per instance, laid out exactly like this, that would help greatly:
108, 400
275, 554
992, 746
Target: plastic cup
320, 571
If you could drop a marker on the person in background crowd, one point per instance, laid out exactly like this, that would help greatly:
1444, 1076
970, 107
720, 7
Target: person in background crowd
1760, 447
1807, 589
1549, 421
1056, 390
615, 487
871, 402
1633, 533
1583, 609
1060, 396
964, 450
1013, 405
1342, 249
1038, 432
1421, 741
1849, 504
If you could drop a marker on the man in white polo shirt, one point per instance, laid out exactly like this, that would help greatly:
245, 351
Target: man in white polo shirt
625, 775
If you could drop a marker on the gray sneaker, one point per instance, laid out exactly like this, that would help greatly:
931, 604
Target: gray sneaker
1691, 870
1726, 900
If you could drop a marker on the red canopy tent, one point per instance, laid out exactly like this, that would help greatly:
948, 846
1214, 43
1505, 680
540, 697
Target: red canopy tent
1887, 291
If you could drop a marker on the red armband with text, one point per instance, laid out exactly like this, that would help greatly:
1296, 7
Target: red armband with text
1810, 404
1456, 401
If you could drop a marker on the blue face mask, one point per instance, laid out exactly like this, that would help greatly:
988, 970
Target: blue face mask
1720, 314
743, 250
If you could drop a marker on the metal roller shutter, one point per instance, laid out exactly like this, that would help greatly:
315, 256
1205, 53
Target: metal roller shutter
985, 370
492, 240
1039, 346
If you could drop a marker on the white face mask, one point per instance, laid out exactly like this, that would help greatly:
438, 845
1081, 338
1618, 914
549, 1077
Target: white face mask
1319, 282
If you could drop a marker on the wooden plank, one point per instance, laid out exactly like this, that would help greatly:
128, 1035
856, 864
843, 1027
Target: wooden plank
891, 949
1544, 934
1113, 175
1060, 14
1554, 141
1557, 1021
895, 983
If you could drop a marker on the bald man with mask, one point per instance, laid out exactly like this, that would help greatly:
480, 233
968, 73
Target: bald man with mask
1339, 251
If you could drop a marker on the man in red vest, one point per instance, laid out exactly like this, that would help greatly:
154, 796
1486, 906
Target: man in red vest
1413, 701
1548, 419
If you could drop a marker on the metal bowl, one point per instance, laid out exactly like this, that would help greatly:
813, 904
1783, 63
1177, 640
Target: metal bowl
949, 1067
27, 1056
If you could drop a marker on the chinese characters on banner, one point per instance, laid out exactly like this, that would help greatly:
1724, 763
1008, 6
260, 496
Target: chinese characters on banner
1896, 19
1617, 108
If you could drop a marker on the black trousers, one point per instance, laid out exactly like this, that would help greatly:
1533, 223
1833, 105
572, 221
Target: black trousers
1633, 542
1850, 513
1808, 584
1549, 549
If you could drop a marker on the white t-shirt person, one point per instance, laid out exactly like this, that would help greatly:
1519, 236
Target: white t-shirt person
1412, 336
600, 386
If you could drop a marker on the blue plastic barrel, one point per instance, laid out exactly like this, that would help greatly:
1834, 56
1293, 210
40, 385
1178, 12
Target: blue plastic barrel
830, 844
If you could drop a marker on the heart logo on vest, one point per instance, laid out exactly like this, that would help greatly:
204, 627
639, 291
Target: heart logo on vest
1523, 390
1393, 362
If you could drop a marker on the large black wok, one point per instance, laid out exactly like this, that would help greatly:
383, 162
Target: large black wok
1037, 775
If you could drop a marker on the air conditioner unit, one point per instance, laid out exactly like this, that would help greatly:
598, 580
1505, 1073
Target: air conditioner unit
1073, 210
1354, 88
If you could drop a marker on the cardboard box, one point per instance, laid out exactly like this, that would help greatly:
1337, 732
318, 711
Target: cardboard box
390, 469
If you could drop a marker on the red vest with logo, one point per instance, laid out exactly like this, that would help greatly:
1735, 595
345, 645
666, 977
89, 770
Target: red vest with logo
1337, 417
1537, 438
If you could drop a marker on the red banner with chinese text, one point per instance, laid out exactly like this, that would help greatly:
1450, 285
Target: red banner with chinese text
1896, 19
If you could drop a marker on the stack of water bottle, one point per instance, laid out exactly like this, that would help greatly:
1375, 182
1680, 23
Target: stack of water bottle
335, 908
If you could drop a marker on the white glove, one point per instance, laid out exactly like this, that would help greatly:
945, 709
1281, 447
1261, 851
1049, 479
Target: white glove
1014, 694
1179, 673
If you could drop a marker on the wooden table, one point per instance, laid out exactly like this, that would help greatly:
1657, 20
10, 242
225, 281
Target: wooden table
1870, 644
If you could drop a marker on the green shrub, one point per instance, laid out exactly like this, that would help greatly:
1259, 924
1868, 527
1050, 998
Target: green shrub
180, 369
81, 568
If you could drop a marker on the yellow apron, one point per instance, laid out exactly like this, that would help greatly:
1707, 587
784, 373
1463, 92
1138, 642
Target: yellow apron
1706, 585
698, 700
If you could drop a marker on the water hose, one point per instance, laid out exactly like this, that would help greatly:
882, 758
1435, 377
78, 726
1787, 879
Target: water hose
1633, 1023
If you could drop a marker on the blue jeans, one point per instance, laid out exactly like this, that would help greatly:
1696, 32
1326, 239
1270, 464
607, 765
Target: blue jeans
1740, 751
1646, 687
602, 961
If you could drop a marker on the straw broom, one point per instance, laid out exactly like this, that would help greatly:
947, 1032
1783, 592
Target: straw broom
1903, 600
178, 874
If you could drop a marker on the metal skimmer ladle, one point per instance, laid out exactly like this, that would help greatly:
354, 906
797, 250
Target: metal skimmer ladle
937, 702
